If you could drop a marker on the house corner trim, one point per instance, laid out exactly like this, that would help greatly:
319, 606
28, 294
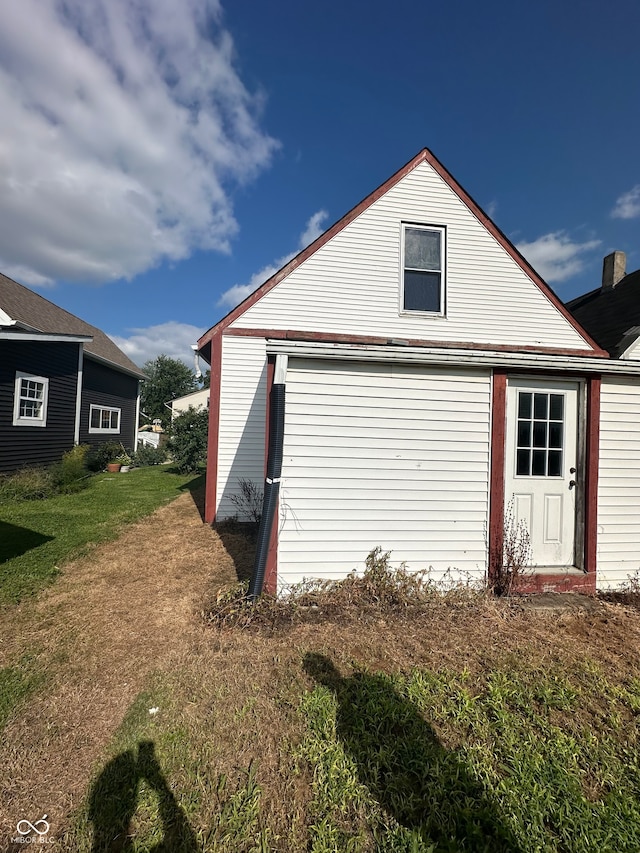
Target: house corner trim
211, 488
496, 495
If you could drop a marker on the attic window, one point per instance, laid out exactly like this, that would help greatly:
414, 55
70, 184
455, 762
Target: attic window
30, 400
423, 259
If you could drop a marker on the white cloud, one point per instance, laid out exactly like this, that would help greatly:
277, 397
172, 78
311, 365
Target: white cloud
555, 256
172, 338
236, 294
124, 125
315, 227
492, 208
628, 205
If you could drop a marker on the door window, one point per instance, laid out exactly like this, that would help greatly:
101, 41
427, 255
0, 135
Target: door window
540, 434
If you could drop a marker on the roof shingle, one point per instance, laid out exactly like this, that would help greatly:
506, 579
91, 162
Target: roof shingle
32, 311
609, 314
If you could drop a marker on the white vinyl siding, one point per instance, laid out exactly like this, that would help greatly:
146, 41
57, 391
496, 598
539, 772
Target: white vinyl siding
385, 455
619, 483
243, 401
351, 286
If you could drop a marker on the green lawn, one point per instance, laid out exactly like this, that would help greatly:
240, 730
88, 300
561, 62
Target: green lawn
36, 537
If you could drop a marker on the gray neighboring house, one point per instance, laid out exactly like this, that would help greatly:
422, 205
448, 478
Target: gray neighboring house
62, 382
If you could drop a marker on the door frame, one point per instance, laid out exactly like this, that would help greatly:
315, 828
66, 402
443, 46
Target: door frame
588, 460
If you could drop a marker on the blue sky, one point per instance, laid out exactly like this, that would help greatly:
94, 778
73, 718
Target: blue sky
159, 159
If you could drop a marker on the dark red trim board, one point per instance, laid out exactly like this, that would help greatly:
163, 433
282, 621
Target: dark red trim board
592, 462
214, 430
496, 496
340, 338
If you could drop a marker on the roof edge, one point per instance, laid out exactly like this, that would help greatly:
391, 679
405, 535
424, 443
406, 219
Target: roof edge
508, 246
138, 374
425, 155
320, 241
46, 337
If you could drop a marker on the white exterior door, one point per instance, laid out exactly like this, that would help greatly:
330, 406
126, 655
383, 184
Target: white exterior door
541, 465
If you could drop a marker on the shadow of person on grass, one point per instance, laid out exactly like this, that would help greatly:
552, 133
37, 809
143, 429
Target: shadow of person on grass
114, 799
425, 787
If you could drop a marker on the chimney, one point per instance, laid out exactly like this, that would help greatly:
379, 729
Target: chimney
614, 268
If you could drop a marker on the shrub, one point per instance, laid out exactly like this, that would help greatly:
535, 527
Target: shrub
27, 484
71, 474
188, 440
99, 457
146, 454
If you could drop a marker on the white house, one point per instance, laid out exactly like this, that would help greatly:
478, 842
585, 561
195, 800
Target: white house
431, 378
196, 400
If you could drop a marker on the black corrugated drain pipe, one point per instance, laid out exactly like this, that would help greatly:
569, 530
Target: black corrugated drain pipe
272, 479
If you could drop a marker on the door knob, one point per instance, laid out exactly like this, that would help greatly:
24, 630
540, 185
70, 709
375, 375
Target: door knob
572, 483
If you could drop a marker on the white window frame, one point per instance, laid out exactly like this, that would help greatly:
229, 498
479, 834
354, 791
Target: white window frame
442, 231
104, 430
19, 420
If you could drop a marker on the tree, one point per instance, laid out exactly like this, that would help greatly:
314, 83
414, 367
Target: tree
167, 378
188, 440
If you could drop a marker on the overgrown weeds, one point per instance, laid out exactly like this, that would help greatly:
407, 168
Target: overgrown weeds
380, 589
248, 501
516, 556
628, 594
63, 478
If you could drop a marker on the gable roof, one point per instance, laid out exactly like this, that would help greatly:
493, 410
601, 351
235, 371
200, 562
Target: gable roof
610, 314
423, 156
33, 312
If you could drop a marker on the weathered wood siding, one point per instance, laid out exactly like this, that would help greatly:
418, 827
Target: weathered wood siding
384, 455
243, 401
619, 482
104, 386
30, 445
351, 285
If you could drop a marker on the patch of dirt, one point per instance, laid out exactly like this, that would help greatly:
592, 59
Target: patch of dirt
110, 619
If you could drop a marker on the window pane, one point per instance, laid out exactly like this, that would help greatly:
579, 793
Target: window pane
421, 291
421, 249
522, 462
555, 463
555, 435
540, 434
114, 420
524, 433
539, 464
95, 418
540, 406
524, 405
556, 407
105, 419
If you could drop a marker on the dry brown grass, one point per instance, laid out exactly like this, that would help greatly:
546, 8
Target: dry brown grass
132, 609
111, 619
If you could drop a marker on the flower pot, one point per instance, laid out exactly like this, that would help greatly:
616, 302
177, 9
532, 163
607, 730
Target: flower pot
113, 467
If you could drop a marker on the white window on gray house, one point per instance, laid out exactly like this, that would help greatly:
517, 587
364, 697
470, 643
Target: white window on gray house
104, 420
423, 268
30, 400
